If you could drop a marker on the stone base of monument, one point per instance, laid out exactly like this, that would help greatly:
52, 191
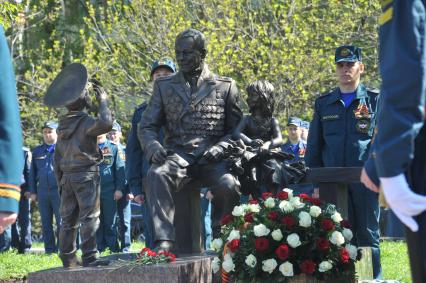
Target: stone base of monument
194, 268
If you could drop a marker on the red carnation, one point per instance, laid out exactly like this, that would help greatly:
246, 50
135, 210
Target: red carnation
288, 221
327, 225
233, 245
282, 252
315, 201
345, 224
308, 266
344, 255
249, 217
226, 219
282, 195
266, 195
148, 252
273, 215
170, 255
261, 244
322, 244
304, 196
253, 201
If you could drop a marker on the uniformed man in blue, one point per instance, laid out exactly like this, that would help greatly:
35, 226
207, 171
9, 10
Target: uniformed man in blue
44, 188
304, 125
21, 230
124, 212
340, 136
296, 146
10, 140
399, 148
136, 163
112, 187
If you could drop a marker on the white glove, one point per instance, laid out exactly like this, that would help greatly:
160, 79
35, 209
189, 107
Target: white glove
403, 201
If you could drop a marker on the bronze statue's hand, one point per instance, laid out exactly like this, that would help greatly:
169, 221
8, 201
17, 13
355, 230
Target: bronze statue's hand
214, 153
100, 93
160, 156
257, 143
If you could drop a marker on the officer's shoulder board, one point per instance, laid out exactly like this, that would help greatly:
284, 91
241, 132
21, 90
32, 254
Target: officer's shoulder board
325, 94
387, 11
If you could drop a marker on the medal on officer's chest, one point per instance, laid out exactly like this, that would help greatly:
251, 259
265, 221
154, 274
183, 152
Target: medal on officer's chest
107, 154
362, 114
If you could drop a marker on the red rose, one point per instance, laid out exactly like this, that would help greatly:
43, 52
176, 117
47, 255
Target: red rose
261, 244
322, 244
147, 252
282, 195
253, 201
266, 195
304, 196
345, 224
282, 252
171, 256
273, 215
344, 255
226, 219
288, 221
315, 201
249, 217
308, 266
233, 245
327, 225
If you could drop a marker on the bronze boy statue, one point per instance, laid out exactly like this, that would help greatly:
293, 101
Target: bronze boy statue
76, 161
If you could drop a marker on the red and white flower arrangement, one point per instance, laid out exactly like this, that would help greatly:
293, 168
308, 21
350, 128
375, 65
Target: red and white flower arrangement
281, 236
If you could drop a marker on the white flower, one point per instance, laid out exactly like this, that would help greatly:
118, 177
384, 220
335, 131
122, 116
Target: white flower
216, 264
216, 244
347, 233
315, 211
286, 269
295, 201
269, 203
235, 234
305, 219
238, 211
286, 206
277, 235
325, 265
260, 230
227, 264
293, 240
337, 217
251, 260
353, 251
269, 265
289, 192
254, 207
337, 238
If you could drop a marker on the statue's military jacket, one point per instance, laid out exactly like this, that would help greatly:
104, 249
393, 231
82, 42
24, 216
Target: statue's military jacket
193, 120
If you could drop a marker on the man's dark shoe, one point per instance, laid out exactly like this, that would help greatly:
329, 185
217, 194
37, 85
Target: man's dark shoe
96, 262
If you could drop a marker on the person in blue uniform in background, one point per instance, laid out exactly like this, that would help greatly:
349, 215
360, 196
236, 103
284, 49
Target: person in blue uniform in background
44, 188
123, 204
399, 150
10, 140
113, 184
340, 136
136, 163
296, 146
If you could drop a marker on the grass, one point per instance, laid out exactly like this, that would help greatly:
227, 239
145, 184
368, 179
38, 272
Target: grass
14, 266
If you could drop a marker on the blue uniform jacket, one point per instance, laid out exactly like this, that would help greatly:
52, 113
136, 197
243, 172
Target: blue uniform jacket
42, 175
300, 154
11, 159
402, 66
112, 169
339, 136
136, 163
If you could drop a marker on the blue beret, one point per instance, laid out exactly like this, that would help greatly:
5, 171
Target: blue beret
163, 62
294, 121
50, 125
347, 53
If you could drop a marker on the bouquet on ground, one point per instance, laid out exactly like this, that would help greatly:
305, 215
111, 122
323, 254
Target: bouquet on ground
148, 256
281, 236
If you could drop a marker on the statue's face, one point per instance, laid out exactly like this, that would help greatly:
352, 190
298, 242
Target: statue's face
188, 57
